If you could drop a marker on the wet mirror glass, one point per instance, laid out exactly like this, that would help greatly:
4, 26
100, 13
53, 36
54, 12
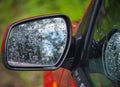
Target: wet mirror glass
39, 42
111, 57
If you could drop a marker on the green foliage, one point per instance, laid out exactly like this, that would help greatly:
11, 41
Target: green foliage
100, 80
13, 9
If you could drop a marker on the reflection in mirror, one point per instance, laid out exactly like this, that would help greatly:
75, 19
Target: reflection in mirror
38, 42
111, 57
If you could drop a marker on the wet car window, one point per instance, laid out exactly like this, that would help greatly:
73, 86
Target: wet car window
108, 20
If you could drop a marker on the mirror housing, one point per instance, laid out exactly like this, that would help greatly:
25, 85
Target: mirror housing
111, 55
37, 43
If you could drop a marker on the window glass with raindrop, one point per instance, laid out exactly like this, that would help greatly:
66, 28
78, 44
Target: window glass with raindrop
103, 62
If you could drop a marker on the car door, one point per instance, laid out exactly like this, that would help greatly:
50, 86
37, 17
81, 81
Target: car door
106, 20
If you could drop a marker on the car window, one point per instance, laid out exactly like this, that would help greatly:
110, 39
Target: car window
108, 20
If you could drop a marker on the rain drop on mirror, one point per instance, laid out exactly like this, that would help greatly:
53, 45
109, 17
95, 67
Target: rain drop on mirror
37, 43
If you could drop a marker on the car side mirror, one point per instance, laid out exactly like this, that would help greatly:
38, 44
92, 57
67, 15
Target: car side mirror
38, 43
111, 55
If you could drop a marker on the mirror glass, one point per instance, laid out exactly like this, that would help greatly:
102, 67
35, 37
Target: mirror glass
39, 42
111, 58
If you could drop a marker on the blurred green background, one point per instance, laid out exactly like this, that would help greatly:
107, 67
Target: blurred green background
13, 10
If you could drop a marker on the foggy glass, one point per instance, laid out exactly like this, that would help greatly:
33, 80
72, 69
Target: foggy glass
112, 57
37, 43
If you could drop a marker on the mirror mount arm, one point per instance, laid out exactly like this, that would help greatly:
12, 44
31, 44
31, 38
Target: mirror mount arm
98, 45
68, 62
72, 58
